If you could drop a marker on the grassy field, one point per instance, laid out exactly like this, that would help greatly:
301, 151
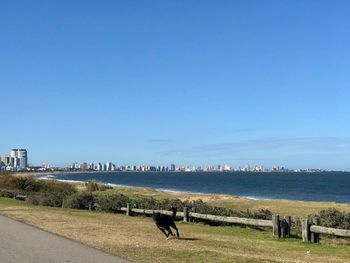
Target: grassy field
137, 239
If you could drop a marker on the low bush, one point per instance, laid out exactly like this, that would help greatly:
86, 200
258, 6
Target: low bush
334, 218
24, 184
6, 193
80, 200
54, 199
110, 202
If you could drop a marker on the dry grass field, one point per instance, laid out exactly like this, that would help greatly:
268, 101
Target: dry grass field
137, 239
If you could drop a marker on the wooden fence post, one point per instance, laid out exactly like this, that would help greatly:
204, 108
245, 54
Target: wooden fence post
305, 228
276, 230
314, 237
128, 209
185, 214
289, 221
62, 205
284, 226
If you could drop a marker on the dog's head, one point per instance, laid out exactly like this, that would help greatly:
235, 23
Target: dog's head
155, 216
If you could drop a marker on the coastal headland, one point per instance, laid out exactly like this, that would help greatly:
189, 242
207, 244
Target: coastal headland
276, 206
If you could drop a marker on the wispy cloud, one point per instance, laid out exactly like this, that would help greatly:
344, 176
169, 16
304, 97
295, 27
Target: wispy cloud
330, 143
242, 149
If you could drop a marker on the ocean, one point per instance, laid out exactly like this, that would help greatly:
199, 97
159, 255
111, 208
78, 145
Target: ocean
327, 186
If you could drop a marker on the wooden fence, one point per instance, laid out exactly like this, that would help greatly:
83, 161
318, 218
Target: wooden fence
311, 231
281, 228
278, 228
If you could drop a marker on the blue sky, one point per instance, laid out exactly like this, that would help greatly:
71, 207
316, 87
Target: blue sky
184, 82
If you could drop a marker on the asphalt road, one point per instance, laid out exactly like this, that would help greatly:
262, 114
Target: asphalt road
26, 244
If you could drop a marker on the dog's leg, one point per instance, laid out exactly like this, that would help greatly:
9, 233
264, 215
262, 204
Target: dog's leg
177, 232
165, 233
169, 230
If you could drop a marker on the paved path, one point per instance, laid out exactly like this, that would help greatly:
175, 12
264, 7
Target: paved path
26, 244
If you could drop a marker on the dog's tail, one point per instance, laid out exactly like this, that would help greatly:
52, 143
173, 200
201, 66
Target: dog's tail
174, 212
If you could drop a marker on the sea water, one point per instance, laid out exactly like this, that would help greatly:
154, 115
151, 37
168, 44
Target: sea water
325, 186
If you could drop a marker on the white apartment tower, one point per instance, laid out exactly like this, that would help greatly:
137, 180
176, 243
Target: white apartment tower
19, 158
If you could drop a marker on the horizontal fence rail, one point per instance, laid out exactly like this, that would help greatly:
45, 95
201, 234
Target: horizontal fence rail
224, 219
186, 215
311, 231
235, 220
330, 231
150, 211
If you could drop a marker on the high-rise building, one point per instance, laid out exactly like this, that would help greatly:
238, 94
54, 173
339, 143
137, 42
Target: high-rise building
172, 167
19, 158
99, 167
13, 155
23, 158
108, 166
84, 166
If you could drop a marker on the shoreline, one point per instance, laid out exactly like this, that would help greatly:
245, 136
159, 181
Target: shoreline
192, 195
170, 191
277, 206
283, 207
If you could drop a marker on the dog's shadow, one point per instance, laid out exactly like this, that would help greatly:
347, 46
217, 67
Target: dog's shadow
188, 238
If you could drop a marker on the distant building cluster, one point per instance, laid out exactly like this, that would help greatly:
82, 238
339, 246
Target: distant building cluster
17, 160
147, 168
112, 167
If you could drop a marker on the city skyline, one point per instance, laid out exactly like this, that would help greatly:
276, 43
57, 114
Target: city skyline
17, 160
186, 82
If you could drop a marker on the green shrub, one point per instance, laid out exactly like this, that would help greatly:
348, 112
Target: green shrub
24, 184
110, 202
261, 214
6, 193
80, 200
46, 198
38, 199
334, 218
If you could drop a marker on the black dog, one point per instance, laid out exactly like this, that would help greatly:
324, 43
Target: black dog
164, 222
